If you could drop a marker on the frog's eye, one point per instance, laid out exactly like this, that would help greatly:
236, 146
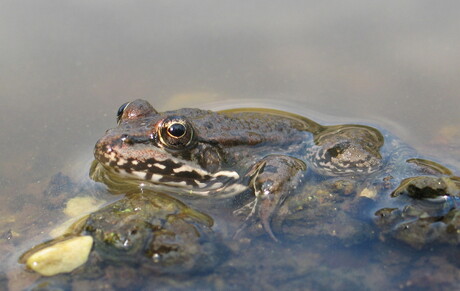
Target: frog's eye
121, 110
175, 132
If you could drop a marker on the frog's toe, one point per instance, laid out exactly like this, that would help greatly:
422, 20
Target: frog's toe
243, 227
268, 229
251, 221
265, 213
259, 213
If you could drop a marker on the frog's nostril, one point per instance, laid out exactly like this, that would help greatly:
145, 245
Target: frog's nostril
126, 139
108, 149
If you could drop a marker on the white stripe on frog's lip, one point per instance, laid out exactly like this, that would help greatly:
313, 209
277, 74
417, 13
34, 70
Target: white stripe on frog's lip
199, 178
189, 168
169, 171
213, 187
160, 166
229, 174
186, 167
203, 173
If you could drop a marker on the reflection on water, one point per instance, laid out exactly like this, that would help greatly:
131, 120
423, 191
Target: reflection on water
65, 67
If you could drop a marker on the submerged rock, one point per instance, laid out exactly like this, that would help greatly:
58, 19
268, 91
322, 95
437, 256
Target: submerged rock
426, 211
329, 209
77, 206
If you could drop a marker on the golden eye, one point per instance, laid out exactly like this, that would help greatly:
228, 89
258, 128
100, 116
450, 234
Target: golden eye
175, 132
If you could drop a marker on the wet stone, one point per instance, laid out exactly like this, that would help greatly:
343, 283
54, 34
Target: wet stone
427, 212
423, 187
61, 257
157, 231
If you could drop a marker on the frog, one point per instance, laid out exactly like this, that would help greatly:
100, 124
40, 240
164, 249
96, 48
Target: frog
264, 153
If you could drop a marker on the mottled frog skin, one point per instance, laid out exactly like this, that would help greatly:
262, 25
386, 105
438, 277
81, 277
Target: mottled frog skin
268, 153
221, 154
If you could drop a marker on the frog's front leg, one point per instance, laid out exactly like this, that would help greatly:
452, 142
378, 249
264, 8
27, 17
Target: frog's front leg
273, 179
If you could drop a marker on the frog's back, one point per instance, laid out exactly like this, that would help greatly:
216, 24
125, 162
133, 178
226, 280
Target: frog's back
248, 126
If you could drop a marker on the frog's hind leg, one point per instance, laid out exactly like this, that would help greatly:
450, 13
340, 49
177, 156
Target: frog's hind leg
273, 179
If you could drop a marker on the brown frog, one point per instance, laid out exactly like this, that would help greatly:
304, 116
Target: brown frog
199, 153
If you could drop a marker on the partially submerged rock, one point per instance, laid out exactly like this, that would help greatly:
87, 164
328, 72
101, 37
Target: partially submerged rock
145, 229
62, 256
154, 230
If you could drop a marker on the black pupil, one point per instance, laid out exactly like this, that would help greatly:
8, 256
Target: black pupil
176, 129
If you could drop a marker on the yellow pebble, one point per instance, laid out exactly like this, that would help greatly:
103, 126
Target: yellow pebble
62, 257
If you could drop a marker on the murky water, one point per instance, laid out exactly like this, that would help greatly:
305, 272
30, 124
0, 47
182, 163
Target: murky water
65, 67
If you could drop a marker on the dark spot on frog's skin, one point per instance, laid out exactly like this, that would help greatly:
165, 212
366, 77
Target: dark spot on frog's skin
336, 150
208, 125
270, 169
190, 175
148, 175
170, 165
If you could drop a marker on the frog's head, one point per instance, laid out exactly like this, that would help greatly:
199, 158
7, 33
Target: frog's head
161, 148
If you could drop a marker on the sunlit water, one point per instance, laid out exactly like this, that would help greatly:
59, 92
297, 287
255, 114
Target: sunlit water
65, 67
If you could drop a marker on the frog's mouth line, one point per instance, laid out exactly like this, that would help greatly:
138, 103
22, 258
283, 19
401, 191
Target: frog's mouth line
172, 173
